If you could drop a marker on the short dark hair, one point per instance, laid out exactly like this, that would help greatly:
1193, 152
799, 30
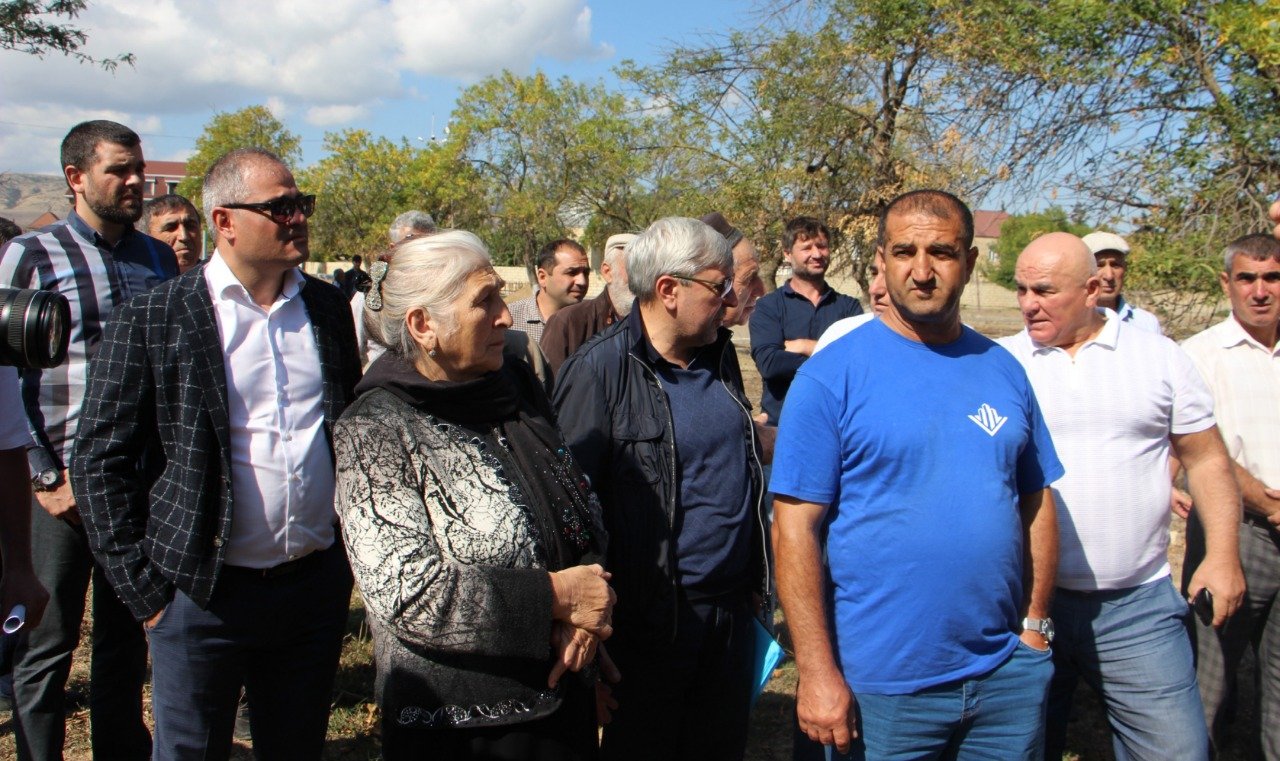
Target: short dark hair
357, 260
936, 203
1257, 246
546, 259
808, 227
224, 182
80, 146
163, 204
8, 230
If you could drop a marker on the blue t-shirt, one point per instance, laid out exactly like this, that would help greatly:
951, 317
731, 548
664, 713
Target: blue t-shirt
921, 451
712, 526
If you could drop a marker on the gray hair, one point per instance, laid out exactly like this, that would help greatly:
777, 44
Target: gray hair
411, 222
1258, 246
428, 272
225, 182
674, 246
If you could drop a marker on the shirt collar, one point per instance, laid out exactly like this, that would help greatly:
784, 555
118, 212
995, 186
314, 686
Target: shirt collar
1108, 337
1233, 334
1124, 310
827, 292
79, 224
223, 283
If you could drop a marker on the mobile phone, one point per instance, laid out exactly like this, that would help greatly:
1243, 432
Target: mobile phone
1203, 606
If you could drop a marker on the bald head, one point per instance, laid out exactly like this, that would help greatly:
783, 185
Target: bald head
1063, 253
1058, 286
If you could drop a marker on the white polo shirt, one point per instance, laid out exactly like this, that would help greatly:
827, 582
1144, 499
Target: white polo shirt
1111, 410
1244, 376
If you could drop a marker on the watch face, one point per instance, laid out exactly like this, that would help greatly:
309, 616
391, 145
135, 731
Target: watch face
48, 477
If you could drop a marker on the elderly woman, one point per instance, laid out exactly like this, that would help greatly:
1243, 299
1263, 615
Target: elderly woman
471, 530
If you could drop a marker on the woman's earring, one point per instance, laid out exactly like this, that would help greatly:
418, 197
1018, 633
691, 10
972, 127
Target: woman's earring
431, 353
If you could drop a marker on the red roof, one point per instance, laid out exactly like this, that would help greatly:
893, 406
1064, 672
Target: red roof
167, 168
986, 224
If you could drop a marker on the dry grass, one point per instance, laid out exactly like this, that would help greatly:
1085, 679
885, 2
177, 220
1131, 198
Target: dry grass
354, 720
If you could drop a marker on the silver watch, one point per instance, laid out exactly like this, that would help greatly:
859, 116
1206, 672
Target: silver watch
1041, 626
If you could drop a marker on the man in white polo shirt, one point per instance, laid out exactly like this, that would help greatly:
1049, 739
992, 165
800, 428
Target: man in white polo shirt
1240, 361
1117, 401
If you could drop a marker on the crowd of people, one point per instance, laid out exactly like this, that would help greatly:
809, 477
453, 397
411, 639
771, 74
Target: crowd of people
567, 520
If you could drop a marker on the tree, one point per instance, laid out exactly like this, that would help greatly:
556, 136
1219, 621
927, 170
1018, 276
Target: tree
1019, 230
26, 28
360, 187
251, 127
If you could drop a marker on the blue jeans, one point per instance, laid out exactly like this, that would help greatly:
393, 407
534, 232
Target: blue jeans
998, 716
1130, 646
280, 637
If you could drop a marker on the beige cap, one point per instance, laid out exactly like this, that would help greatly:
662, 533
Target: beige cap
621, 240
1100, 241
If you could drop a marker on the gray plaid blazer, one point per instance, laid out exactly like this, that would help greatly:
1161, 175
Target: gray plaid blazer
151, 470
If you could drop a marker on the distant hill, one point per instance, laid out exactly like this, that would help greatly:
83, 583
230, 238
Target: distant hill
23, 197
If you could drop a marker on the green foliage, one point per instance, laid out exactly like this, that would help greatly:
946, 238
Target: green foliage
251, 127
33, 27
1020, 229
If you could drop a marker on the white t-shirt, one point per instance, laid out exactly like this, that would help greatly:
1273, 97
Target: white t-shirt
1111, 410
841, 327
13, 419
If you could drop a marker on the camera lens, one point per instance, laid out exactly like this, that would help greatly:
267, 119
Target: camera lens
34, 328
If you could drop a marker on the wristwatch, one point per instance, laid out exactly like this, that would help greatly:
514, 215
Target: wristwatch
46, 480
1041, 626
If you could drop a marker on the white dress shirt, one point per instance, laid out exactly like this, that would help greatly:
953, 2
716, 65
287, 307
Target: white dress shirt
281, 466
1244, 376
1111, 410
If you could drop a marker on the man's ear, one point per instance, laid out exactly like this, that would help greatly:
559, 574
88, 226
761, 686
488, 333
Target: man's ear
665, 290
606, 272
971, 261
75, 179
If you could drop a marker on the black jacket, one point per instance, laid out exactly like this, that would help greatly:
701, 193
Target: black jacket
158, 387
616, 419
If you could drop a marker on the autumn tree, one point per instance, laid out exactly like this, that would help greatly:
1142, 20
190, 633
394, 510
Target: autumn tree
251, 127
1019, 230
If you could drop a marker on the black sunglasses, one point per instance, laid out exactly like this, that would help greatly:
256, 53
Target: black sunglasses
281, 209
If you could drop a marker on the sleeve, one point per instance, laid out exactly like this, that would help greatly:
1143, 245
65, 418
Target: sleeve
807, 455
768, 338
1192, 399
1038, 463
582, 413
117, 420
18, 270
13, 421
426, 598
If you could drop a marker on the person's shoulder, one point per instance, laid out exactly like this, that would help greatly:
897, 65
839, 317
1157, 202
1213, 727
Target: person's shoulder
1208, 340
566, 314
606, 348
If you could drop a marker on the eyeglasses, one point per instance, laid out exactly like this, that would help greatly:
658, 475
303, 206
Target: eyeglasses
281, 209
721, 288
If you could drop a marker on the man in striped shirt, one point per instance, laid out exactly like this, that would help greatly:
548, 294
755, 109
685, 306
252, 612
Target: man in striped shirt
98, 261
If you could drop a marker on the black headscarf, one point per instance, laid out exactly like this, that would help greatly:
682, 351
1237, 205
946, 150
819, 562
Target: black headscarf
510, 409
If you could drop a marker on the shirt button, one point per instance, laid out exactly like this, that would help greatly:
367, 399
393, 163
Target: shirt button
217, 541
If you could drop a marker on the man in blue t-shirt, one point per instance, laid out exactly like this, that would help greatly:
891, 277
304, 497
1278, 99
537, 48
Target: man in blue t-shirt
914, 449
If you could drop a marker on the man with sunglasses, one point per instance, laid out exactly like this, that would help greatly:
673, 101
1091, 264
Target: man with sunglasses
223, 542
788, 322
653, 408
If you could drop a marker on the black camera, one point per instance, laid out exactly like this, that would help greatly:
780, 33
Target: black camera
35, 328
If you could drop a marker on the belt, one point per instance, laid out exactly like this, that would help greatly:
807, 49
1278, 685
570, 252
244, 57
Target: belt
276, 571
1258, 521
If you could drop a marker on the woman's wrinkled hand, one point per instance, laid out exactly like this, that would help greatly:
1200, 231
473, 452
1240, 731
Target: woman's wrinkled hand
575, 649
582, 597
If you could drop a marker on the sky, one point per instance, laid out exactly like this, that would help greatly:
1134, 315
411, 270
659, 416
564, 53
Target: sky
387, 66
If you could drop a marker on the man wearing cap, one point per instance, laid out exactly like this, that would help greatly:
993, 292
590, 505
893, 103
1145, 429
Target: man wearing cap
1119, 401
574, 325
789, 321
1239, 358
747, 284
1111, 252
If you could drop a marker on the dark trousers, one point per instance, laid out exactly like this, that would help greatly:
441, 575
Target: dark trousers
42, 663
279, 636
687, 699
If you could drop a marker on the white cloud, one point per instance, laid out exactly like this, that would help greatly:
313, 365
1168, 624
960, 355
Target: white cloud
325, 116
31, 136
328, 59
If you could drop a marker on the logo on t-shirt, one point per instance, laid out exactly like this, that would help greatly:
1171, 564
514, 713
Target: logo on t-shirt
988, 419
